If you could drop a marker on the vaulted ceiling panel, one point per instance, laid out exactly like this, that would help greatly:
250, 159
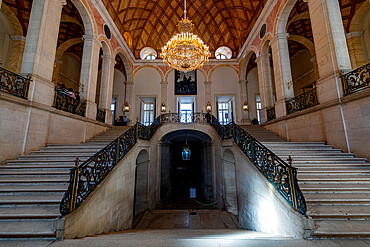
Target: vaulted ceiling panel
217, 22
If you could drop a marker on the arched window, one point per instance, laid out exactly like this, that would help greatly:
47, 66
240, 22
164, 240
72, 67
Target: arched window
148, 53
223, 52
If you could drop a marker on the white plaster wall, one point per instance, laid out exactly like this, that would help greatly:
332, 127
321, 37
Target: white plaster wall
253, 90
224, 83
147, 83
261, 207
119, 91
46, 125
200, 104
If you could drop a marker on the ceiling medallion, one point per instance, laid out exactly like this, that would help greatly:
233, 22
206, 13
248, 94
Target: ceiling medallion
185, 51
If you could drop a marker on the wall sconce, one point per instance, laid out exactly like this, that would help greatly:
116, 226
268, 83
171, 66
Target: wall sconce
208, 107
245, 106
126, 107
290, 83
163, 107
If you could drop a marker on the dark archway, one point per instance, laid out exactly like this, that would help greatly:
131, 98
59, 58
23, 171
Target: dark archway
178, 176
141, 185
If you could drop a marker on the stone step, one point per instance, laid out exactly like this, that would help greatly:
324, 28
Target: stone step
31, 180
50, 161
332, 178
64, 151
27, 229
316, 156
304, 151
338, 196
342, 229
339, 212
8, 172
296, 143
318, 169
30, 199
339, 201
29, 212
33, 188
72, 147
56, 156
35, 167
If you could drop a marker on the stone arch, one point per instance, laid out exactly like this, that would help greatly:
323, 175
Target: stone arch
283, 16
65, 45
150, 66
141, 183
66, 18
265, 43
230, 184
249, 54
87, 17
223, 65
119, 52
305, 42
357, 19
106, 46
12, 19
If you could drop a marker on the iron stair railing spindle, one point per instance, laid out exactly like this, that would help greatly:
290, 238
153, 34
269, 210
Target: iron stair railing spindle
356, 80
14, 84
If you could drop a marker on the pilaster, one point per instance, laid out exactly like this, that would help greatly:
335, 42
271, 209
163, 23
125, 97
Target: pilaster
40, 48
106, 87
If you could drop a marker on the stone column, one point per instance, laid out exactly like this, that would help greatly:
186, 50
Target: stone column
40, 48
244, 97
163, 94
265, 84
330, 46
207, 95
16, 52
106, 87
89, 73
356, 50
282, 72
129, 100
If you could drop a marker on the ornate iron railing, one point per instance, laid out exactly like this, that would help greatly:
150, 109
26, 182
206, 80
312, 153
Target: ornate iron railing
281, 175
271, 115
84, 178
302, 101
100, 115
14, 84
356, 80
63, 102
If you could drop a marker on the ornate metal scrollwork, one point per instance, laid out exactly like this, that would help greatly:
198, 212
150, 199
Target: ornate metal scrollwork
65, 103
302, 101
100, 115
271, 113
14, 84
356, 80
84, 178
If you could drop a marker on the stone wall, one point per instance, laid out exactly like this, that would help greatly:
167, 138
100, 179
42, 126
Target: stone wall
261, 207
25, 128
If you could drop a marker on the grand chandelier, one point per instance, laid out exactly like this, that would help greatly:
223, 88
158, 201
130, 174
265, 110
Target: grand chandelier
185, 51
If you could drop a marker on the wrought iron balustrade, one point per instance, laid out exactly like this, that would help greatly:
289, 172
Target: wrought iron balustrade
271, 115
356, 80
84, 178
62, 101
281, 175
14, 84
100, 115
302, 101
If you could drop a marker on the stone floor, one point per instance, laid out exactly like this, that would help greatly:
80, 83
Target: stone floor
187, 238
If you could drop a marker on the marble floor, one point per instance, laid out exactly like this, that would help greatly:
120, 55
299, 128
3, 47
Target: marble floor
177, 228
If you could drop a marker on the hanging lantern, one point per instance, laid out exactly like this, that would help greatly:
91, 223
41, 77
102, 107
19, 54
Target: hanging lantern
186, 153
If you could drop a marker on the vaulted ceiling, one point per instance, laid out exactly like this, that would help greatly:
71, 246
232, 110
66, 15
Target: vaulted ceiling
152, 23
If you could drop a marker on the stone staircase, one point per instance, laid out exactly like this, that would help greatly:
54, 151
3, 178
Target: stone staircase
32, 186
336, 185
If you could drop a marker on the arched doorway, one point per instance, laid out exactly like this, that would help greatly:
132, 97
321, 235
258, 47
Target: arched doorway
141, 184
178, 176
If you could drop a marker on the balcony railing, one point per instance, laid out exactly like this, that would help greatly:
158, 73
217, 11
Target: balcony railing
271, 115
85, 177
14, 84
100, 115
356, 80
64, 102
302, 101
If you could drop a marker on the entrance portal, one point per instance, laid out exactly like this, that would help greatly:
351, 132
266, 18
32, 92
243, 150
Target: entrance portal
178, 176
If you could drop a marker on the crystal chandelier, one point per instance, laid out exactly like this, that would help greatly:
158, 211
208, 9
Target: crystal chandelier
185, 51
